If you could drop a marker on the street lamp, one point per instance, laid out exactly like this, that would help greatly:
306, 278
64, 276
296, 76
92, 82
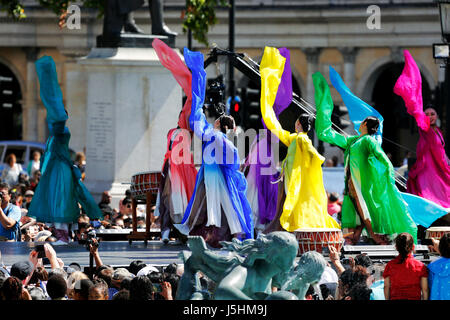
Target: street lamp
444, 14
442, 51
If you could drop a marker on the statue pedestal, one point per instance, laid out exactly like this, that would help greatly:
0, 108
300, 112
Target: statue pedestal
132, 102
133, 40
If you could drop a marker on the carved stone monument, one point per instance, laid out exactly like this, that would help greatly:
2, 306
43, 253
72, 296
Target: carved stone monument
130, 102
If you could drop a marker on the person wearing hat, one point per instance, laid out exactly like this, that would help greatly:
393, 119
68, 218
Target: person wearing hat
28, 197
37, 293
147, 270
119, 275
42, 235
136, 265
22, 270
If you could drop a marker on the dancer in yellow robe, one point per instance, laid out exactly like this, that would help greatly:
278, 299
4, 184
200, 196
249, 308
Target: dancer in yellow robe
305, 204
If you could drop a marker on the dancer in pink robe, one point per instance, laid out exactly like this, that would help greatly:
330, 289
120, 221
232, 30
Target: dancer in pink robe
429, 177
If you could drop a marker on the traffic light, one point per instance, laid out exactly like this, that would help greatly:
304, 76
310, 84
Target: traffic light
252, 109
340, 116
236, 109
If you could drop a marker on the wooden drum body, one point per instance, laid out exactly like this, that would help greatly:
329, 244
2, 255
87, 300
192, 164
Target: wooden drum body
144, 182
317, 239
436, 232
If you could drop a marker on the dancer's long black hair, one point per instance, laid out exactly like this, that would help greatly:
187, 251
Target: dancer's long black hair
372, 124
305, 120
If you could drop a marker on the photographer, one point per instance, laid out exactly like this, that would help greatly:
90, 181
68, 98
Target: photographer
10, 215
92, 245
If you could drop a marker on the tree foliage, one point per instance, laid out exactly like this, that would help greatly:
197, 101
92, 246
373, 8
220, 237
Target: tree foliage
198, 16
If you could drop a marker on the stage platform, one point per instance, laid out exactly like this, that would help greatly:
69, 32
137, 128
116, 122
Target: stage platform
114, 253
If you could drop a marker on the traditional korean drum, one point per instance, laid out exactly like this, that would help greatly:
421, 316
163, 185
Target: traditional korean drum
436, 232
317, 239
144, 182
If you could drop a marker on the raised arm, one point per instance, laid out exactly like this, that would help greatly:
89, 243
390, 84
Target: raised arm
324, 107
271, 70
50, 91
172, 61
358, 110
197, 119
409, 87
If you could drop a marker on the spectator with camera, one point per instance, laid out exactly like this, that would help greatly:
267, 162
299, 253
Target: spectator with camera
10, 215
377, 287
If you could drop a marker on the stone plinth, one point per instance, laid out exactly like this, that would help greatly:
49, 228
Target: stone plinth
133, 40
132, 101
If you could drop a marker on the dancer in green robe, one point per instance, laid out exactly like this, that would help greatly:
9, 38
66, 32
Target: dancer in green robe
371, 199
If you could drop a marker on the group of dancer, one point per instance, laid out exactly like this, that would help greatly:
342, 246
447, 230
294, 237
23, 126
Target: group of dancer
219, 202
227, 203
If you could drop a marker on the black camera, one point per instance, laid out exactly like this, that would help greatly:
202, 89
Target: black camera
89, 238
40, 250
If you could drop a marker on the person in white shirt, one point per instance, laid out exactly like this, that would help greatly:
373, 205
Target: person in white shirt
12, 170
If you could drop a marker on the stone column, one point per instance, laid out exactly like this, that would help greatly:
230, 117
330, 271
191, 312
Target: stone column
312, 58
349, 54
31, 98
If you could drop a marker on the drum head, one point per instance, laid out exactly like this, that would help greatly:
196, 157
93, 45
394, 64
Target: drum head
318, 230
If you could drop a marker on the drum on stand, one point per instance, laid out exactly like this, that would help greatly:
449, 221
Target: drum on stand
315, 239
144, 190
144, 182
436, 232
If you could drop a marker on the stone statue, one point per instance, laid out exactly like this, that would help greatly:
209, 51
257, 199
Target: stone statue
119, 15
247, 270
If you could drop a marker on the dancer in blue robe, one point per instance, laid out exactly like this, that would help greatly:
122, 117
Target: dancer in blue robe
60, 192
218, 209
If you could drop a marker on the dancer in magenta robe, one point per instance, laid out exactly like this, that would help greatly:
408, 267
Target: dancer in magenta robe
429, 177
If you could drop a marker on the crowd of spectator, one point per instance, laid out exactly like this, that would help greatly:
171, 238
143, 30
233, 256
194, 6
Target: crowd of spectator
17, 188
357, 278
32, 280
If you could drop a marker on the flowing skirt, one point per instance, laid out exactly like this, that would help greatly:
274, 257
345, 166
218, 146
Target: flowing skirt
275, 224
211, 213
168, 206
58, 195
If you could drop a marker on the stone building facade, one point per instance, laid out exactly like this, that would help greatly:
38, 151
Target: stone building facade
318, 33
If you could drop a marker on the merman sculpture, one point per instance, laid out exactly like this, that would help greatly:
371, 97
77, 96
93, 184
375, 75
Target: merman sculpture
247, 270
